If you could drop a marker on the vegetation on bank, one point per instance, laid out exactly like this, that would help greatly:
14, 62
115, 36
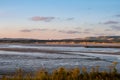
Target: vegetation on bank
64, 74
99, 39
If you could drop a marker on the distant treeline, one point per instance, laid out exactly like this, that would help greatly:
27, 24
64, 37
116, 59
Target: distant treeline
55, 41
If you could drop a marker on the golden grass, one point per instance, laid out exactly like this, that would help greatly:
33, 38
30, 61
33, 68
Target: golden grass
65, 74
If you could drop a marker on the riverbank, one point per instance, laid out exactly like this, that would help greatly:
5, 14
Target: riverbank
84, 44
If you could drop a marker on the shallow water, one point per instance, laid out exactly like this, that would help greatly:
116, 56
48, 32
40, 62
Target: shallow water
68, 57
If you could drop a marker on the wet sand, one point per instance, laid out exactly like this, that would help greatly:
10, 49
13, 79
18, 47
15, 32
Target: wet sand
31, 57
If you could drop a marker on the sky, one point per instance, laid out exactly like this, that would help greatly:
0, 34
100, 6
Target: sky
59, 19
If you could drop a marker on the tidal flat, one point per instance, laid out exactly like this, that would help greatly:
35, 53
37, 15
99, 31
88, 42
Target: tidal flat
33, 57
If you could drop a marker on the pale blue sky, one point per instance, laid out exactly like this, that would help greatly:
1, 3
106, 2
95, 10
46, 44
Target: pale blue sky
57, 19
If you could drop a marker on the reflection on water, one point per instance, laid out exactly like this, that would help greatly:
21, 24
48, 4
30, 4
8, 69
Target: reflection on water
68, 57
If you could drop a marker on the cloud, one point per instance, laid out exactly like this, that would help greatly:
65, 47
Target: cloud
88, 31
111, 22
40, 18
77, 28
69, 32
31, 30
39, 29
117, 15
25, 30
48, 19
117, 28
106, 34
101, 34
108, 30
69, 19
76, 31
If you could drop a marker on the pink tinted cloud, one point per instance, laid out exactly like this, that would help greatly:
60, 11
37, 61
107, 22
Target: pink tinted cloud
40, 18
26, 30
69, 32
31, 30
111, 22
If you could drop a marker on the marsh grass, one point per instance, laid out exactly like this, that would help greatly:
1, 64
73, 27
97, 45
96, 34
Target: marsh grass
65, 74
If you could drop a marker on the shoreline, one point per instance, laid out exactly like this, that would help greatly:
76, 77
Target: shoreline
86, 45
53, 51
